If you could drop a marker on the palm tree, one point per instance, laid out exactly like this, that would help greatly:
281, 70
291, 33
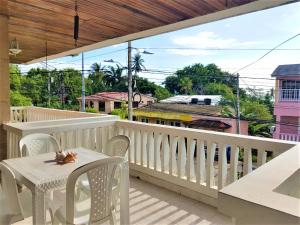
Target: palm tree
97, 67
97, 77
113, 75
137, 63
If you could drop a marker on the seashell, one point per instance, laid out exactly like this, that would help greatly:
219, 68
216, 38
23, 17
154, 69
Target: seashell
70, 157
60, 156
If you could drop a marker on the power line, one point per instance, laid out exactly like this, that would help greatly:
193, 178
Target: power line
221, 49
107, 53
267, 53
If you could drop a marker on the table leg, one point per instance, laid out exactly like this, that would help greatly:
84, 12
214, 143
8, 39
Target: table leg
38, 208
124, 195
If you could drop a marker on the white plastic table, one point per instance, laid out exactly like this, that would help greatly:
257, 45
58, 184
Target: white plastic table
41, 175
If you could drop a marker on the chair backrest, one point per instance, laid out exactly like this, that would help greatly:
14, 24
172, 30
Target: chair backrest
35, 144
10, 191
118, 146
100, 176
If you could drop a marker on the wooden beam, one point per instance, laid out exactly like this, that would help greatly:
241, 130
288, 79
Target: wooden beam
4, 76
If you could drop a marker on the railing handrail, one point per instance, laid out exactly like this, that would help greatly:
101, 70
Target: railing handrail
214, 135
288, 89
33, 113
58, 125
293, 94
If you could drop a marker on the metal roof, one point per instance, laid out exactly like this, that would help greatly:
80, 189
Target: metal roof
186, 99
287, 70
191, 109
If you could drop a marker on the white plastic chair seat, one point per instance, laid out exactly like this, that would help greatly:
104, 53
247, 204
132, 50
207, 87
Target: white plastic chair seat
81, 213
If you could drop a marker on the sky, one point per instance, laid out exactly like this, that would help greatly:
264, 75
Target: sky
218, 42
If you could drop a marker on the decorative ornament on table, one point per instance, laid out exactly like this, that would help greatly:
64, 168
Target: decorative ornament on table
63, 157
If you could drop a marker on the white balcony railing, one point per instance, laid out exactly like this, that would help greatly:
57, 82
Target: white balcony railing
289, 137
197, 162
31, 113
289, 95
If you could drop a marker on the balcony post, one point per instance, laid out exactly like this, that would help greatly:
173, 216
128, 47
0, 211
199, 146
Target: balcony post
4, 76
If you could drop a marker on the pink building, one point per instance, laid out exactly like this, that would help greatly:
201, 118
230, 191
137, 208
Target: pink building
287, 102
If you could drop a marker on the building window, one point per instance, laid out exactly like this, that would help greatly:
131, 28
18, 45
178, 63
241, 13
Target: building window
290, 84
290, 90
145, 120
102, 106
135, 104
175, 124
117, 105
162, 122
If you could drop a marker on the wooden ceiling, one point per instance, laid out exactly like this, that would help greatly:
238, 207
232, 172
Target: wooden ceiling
33, 22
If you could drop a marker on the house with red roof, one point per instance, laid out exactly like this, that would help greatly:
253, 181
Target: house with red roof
108, 101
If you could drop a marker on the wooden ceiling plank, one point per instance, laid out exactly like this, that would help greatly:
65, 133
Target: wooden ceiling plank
151, 8
102, 10
66, 17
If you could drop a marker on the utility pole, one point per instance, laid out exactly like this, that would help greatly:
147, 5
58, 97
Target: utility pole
83, 84
238, 116
49, 76
129, 82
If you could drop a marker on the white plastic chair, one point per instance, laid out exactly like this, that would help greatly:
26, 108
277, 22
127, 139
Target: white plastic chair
13, 208
35, 144
100, 176
116, 146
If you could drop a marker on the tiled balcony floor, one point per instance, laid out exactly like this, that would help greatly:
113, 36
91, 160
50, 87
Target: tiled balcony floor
150, 204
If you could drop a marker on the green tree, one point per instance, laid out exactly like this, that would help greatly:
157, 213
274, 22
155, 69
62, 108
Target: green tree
253, 110
122, 112
161, 93
34, 86
17, 99
96, 78
144, 85
201, 76
15, 77
219, 89
260, 129
186, 85
172, 84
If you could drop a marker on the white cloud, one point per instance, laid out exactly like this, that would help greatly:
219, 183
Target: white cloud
207, 39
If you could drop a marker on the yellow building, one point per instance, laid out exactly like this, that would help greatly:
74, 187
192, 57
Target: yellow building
208, 117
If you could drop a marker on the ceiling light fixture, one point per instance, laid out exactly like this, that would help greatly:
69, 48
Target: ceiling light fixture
14, 48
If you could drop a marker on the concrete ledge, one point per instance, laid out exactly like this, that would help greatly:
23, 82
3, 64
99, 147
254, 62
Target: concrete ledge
175, 188
254, 199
